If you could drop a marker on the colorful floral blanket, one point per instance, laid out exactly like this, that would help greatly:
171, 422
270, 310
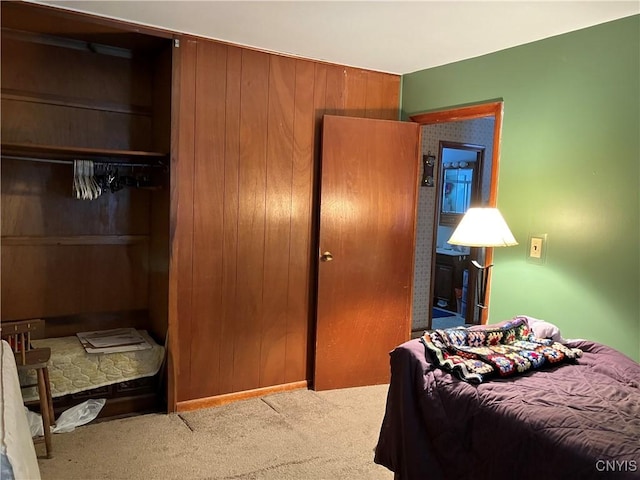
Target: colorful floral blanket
480, 352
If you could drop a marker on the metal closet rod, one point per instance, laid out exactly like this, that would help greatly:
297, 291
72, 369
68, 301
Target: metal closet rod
70, 162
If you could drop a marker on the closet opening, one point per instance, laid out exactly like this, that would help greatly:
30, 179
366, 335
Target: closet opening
86, 128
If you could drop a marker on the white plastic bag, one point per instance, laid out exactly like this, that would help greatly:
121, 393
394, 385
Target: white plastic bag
69, 419
35, 423
79, 415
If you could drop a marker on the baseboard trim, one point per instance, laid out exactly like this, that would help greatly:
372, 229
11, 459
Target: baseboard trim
218, 400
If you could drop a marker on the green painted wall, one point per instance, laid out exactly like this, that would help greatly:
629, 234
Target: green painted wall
569, 167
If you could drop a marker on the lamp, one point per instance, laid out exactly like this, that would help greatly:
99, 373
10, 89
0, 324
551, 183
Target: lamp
482, 227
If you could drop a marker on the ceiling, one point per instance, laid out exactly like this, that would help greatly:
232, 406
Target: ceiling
389, 36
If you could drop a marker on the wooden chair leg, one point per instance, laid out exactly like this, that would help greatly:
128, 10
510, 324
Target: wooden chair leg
52, 417
44, 409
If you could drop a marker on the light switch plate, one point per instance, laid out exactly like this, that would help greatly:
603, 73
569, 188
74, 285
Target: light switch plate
537, 251
535, 248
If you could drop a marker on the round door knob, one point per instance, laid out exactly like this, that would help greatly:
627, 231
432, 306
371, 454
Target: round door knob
326, 257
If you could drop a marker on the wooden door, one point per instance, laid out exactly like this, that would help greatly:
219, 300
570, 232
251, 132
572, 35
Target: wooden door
367, 222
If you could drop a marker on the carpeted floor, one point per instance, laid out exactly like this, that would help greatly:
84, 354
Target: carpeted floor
447, 322
293, 435
437, 323
440, 313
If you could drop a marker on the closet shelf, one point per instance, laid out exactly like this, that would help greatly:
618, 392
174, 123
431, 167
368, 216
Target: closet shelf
54, 152
87, 240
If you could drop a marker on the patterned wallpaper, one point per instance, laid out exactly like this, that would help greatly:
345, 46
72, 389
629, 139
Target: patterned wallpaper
478, 131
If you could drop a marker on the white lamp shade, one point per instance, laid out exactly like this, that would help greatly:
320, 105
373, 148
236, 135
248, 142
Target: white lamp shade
482, 227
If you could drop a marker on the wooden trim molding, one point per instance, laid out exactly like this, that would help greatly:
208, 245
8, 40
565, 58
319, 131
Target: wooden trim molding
491, 109
219, 400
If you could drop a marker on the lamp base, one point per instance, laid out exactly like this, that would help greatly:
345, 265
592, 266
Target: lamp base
481, 286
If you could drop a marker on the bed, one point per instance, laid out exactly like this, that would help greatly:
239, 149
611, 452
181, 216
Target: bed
575, 418
17, 452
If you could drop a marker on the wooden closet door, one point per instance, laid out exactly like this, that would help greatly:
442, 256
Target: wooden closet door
367, 223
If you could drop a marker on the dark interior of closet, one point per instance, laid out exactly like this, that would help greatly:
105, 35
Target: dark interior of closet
77, 88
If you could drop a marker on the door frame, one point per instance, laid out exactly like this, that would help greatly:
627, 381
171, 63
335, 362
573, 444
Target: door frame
493, 109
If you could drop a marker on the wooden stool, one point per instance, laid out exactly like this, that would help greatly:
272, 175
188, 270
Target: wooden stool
19, 335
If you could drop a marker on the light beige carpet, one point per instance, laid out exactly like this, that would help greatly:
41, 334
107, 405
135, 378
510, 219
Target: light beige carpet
293, 435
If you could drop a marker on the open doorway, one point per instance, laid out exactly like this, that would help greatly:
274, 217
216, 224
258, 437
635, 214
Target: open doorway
444, 289
461, 167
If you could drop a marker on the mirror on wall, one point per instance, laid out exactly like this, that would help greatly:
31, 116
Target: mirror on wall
461, 164
456, 194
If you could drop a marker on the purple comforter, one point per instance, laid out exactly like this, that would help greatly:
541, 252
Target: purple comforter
578, 420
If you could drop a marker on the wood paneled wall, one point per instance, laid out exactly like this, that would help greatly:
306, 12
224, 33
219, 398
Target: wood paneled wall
244, 175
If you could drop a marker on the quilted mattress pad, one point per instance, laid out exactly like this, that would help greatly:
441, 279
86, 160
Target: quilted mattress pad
72, 369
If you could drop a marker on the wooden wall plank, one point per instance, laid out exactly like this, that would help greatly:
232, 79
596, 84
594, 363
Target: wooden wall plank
355, 92
230, 332
383, 96
298, 313
374, 95
282, 82
319, 107
335, 93
208, 211
251, 217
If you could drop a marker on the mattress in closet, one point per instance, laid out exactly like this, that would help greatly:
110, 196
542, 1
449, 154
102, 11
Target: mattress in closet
72, 369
